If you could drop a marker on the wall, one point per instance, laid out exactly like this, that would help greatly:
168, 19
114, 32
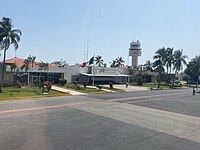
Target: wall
8, 77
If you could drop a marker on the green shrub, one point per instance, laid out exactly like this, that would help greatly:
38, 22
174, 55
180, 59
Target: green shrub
84, 85
75, 82
36, 82
62, 81
139, 81
99, 87
78, 87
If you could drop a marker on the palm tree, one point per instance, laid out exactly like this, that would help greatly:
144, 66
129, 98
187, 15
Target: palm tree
99, 61
160, 58
13, 66
43, 66
193, 68
1, 37
28, 64
169, 59
119, 62
148, 65
160, 61
8, 36
113, 64
31, 60
179, 60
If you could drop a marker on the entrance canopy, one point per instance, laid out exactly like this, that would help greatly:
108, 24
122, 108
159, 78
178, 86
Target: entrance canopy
105, 75
103, 78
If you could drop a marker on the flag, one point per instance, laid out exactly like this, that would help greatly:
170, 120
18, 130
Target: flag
84, 64
91, 61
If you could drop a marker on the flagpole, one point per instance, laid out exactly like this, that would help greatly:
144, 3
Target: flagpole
84, 52
93, 72
87, 50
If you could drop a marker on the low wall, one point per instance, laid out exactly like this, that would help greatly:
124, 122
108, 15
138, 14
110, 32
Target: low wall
8, 77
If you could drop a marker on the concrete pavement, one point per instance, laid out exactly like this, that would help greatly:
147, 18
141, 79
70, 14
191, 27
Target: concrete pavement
118, 86
179, 125
71, 92
129, 88
113, 121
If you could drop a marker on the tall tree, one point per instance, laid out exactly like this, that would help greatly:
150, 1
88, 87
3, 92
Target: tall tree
160, 58
169, 59
43, 66
179, 60
193, 68
13, 66
99, 61
8, 37
28, 64
31, 60
113, 64
148, 65
160, 61
119, 62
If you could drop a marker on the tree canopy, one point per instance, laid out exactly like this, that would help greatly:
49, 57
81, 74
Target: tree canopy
8, 37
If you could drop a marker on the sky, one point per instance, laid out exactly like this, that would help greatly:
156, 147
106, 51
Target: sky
59, 29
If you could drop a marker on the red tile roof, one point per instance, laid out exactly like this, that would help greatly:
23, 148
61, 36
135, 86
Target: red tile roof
19, 62
53, 66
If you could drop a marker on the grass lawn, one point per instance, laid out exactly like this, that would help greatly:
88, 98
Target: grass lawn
113, 89
16, 92
89, 90
80, 88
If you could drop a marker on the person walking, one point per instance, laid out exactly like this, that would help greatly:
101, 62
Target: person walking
126, 84
193, 91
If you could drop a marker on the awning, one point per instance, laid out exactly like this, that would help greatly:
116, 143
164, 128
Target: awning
105, 75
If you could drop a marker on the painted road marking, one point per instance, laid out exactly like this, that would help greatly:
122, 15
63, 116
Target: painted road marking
40, 108
140, 97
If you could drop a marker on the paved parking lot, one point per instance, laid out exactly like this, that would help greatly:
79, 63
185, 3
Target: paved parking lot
143, 120
129, 88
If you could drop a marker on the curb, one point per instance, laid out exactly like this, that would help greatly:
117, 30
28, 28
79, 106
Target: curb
32, 97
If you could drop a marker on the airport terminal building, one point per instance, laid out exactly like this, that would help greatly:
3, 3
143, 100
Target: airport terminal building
72, 73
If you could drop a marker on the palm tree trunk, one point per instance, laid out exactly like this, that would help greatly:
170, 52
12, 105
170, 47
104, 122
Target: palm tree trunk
167, 69
3, 71
174, 77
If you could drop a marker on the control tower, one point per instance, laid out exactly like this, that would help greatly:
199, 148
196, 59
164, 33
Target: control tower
135, 51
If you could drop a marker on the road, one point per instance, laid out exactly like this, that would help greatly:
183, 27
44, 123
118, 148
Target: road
140, 120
